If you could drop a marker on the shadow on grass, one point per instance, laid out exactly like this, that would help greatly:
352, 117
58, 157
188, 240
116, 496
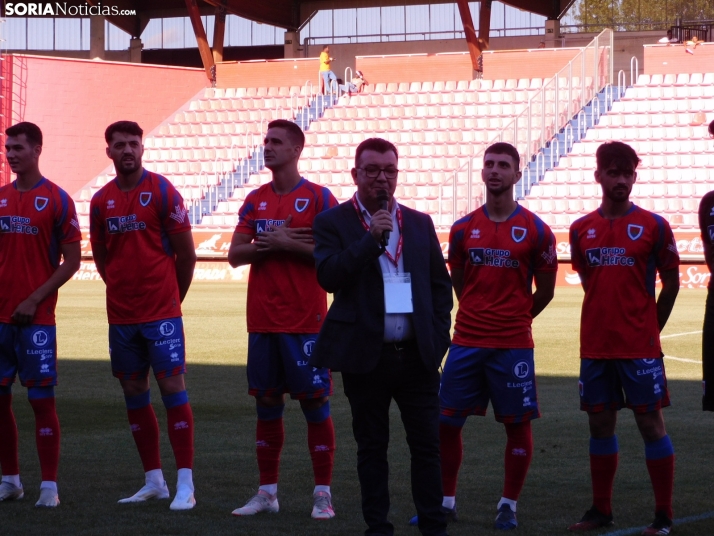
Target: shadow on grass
100, 465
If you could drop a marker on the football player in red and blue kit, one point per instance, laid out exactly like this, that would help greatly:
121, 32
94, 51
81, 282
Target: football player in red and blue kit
143, 248
706, 226
618, 251
496, 253
286, 308
38, 228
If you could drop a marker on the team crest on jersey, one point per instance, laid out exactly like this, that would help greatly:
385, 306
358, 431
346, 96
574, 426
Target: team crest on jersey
301, 204
144, 198
41, 203
710, 229
518, 234
634, 231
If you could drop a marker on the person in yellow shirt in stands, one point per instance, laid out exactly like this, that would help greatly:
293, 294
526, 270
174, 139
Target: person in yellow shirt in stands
326, 74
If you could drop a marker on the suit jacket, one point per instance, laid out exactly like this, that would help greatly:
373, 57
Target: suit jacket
347, 256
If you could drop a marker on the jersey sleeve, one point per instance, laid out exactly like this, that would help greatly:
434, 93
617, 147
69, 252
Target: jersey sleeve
666, 254
246, 215
173, 213
705, 209
96, 226
456, 241
66, 221
327, 201
546, 257
576, 256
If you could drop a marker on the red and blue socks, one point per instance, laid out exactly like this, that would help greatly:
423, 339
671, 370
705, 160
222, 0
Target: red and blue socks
180, 423
452, 453
145, 429
603, 466
321, 442
47, 430
660, 465
269, 440
519, 452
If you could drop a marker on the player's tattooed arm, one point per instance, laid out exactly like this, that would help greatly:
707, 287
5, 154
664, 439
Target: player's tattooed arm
71, 254
545, 290
99, 253
184, 249
285, 238
457, 280
665, 300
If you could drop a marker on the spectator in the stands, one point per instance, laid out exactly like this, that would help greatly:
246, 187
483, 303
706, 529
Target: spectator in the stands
326, 74
692, 43
669, 39
356, 85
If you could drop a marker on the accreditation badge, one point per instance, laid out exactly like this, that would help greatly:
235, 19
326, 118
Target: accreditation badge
398, 293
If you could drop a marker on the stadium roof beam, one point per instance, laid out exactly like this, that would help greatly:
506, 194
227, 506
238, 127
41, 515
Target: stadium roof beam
202, 40
469, 31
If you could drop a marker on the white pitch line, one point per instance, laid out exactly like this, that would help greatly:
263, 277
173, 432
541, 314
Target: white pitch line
680, 334
683, 360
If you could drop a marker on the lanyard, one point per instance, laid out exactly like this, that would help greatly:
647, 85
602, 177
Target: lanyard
400, 244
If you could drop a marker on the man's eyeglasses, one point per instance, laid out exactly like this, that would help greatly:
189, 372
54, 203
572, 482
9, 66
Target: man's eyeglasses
373, 172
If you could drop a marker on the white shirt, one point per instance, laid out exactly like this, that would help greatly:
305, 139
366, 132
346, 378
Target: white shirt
397, 327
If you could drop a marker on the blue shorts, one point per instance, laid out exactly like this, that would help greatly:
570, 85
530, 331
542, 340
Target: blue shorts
31, 351
159, 344
473, 376
277, 364
639, 384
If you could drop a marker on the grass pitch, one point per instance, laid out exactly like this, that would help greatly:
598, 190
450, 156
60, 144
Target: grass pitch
100, 465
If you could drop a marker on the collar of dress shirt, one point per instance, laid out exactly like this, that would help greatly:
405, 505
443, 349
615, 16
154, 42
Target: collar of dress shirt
367, 216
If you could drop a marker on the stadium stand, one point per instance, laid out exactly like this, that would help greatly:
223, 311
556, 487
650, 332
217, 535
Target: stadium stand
664, 118
212, 150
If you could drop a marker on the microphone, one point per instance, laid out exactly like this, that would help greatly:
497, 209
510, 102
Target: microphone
383, 199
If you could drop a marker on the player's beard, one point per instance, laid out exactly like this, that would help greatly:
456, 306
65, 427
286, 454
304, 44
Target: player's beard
619, 194
128, 167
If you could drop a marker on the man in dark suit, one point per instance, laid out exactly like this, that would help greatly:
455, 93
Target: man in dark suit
387, 330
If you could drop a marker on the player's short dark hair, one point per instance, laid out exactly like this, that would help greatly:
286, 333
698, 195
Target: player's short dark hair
127, 127
293, 130
618, 154
378, 145
502, 147
711, 128
31, 131
325, 46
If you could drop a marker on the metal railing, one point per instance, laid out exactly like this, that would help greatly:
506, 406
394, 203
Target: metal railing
225, 172
548, 111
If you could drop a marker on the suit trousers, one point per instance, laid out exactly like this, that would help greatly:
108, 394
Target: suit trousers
400, 375
708, 353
